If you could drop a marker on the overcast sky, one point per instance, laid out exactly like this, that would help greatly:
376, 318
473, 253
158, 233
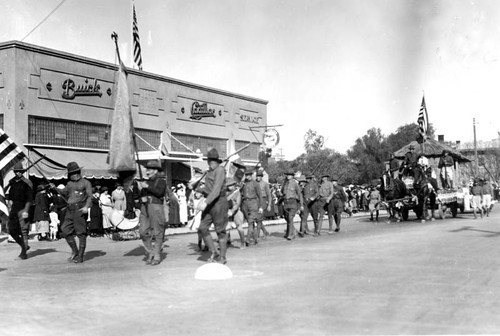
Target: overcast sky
338, 67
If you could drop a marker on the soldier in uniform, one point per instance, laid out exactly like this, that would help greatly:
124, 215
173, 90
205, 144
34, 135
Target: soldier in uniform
251, 198
152, 219
267, 198
214, 207
78, 193
21, 195
394, 167
234, 213
292, 195
446, 164
310, 194
409, 162
323, 203
338, 201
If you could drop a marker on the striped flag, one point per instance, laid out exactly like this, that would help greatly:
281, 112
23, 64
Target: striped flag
3, 203
423, 119
10, 154
136, 42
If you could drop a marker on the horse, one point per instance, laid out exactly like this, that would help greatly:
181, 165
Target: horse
425, 189
392, 189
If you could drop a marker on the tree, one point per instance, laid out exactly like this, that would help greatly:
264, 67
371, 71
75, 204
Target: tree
369, 154
404, 135
313, 141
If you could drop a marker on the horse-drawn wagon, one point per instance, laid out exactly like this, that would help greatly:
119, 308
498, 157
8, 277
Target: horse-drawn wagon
423, 189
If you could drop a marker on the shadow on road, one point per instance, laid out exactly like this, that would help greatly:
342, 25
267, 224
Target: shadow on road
2, 269
2, 239
40, 252
470, 228
94, 254
138, 251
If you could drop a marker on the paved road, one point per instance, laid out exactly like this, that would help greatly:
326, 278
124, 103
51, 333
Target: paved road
437, 277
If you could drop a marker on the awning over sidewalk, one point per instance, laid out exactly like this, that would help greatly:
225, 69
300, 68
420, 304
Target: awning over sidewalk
53, 165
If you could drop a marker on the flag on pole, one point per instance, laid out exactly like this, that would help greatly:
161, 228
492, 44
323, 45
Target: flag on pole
121, 144
136, 42
3, 204
423, 119
10, 154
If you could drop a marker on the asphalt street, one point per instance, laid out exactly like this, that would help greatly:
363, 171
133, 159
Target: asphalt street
440, 277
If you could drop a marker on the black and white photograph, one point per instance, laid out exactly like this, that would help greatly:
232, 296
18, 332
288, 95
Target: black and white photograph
249, 167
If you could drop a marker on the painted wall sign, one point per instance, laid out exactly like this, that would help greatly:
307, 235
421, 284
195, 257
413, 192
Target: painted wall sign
201, 110
249, 119
70, 90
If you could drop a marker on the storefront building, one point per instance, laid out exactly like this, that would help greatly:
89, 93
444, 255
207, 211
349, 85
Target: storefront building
59, 106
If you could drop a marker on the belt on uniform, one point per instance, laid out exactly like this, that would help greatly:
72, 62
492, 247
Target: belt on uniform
249, 199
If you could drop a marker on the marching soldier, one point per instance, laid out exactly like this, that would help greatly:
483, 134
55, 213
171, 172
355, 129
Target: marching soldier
152, 218
311, 194
292, 203
338, 201
234, 213
323, 203
215, 207
251, 205
21, 196
78, 192
267, 199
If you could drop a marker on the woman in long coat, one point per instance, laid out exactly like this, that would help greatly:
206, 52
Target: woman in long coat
95, 216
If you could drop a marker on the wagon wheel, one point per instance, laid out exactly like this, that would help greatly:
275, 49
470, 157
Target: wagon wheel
454, 209
404, 213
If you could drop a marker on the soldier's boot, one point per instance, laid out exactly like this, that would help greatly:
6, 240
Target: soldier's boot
25, 239
242, 238
19, 240
259, 228
337, 222
330, 225
209, 242
81, 249
223, 249
74, 249
264, 231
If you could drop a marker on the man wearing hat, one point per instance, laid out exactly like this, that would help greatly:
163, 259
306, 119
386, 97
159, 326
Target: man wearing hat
446, 164
78, 193
21, 195
251, 204
409, 161
292, 195
266, 204
152, 219
394, 166
477, 197
310, 194
215, 207
338, 203
323, 204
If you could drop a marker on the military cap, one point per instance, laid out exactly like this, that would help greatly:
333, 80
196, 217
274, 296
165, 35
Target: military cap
325, 175
289, 172
230, 181
153, 164
260, 173
249, 171
213, 155
302, 178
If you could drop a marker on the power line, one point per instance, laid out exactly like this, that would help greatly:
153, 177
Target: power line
41, 22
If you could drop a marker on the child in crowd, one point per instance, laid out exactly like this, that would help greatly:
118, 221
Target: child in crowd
54, 223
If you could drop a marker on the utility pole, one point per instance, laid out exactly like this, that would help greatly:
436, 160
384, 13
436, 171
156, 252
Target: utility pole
475, 146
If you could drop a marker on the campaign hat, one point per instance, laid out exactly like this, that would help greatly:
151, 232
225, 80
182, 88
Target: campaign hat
73, 167
310, 176
260, 173
213, 155
302, 178
248, 171
334, 178
18, 167
289, 172
325, 175
238, 165
153, 164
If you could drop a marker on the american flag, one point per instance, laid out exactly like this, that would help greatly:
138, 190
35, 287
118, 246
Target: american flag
423, 119
10, 154
3, 203
137, 43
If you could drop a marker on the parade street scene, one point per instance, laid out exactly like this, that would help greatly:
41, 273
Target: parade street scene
264, 167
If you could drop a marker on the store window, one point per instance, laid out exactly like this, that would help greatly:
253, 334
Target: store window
204, 144
249, 153
56, 132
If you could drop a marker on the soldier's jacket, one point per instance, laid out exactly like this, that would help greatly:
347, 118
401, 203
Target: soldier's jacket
339, 193
291, 189
251, 191
326, 190
310, 191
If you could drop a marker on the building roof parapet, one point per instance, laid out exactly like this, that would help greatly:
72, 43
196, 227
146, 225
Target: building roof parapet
102, 64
